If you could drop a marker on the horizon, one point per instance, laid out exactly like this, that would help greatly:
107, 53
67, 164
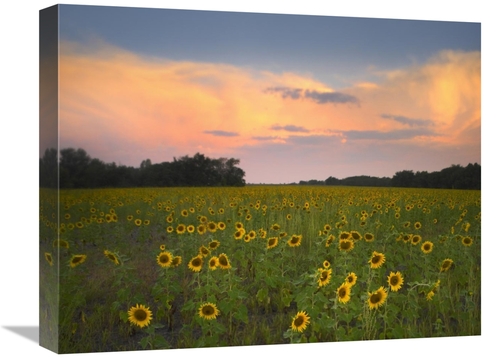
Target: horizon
287, 95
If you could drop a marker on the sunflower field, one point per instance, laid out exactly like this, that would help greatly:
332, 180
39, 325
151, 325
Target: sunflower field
158, 268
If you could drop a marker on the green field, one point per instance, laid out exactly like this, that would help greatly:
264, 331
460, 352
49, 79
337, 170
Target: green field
155, 268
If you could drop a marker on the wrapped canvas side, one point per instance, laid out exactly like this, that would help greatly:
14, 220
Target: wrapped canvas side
49, 182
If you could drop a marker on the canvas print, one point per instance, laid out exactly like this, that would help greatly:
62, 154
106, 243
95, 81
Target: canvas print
215, 179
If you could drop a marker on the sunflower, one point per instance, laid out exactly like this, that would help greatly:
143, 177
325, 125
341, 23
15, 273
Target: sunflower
346, 245
77, 260
446, 265
238, 225
137, 222
162, 247
344, 293
221, 225
176, 261
369, 237
140, 315
213, 263
48, 257
415, 239
300, 321
351, 279
325, 275
467, 241
112, 256
326, 264
196, 263
184, 213
395, 281
294, 240
345, 235
60, 243
170, 229
164, 259
201, 229
239, 234
208, 311
275, 227
377, 298
203, 251
417, 225
180, 229
212, 226
407, 238
377, 260
224, 262
190, 229
272, 242
329, 240
355, 235
213, 244
427, 247
327, 227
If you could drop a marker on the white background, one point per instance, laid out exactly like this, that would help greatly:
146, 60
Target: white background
19, 173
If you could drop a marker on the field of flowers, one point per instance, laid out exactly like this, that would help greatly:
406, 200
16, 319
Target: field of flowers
155, 268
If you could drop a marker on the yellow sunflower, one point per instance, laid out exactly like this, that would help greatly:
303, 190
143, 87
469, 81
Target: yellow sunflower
467, 241
351, 279
377, 260
140, 315
326, 264
176, 261
272, 242
48, 257
112, 256
294, 240
196, 263
162, 247
346, 245
213, 244
213, 263
190, 229
325, 276
224, 262
300, 321
202, 229
427, 247
208, 311
164, 259
395, 281
415, 239
180, 229
77, 260
369, 237
377, 298
356, 236
446, 265
138, 222
345, 235
329, 240
203, 251
344, 293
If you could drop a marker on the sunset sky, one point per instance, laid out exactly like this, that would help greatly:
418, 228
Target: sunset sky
294, 97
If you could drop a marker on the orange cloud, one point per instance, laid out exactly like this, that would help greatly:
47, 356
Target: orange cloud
111, 98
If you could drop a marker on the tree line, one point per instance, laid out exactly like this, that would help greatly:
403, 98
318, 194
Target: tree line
454, 177
78, 170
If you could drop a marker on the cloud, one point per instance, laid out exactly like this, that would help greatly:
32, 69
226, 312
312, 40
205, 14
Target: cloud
320, 97
330, 97
412, 122
390, 135
289, 128
219, 133
265, 138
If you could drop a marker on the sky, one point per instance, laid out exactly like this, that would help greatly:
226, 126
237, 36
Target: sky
294, 97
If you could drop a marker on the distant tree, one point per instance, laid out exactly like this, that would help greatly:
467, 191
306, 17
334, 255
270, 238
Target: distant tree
403, 179
48, 169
